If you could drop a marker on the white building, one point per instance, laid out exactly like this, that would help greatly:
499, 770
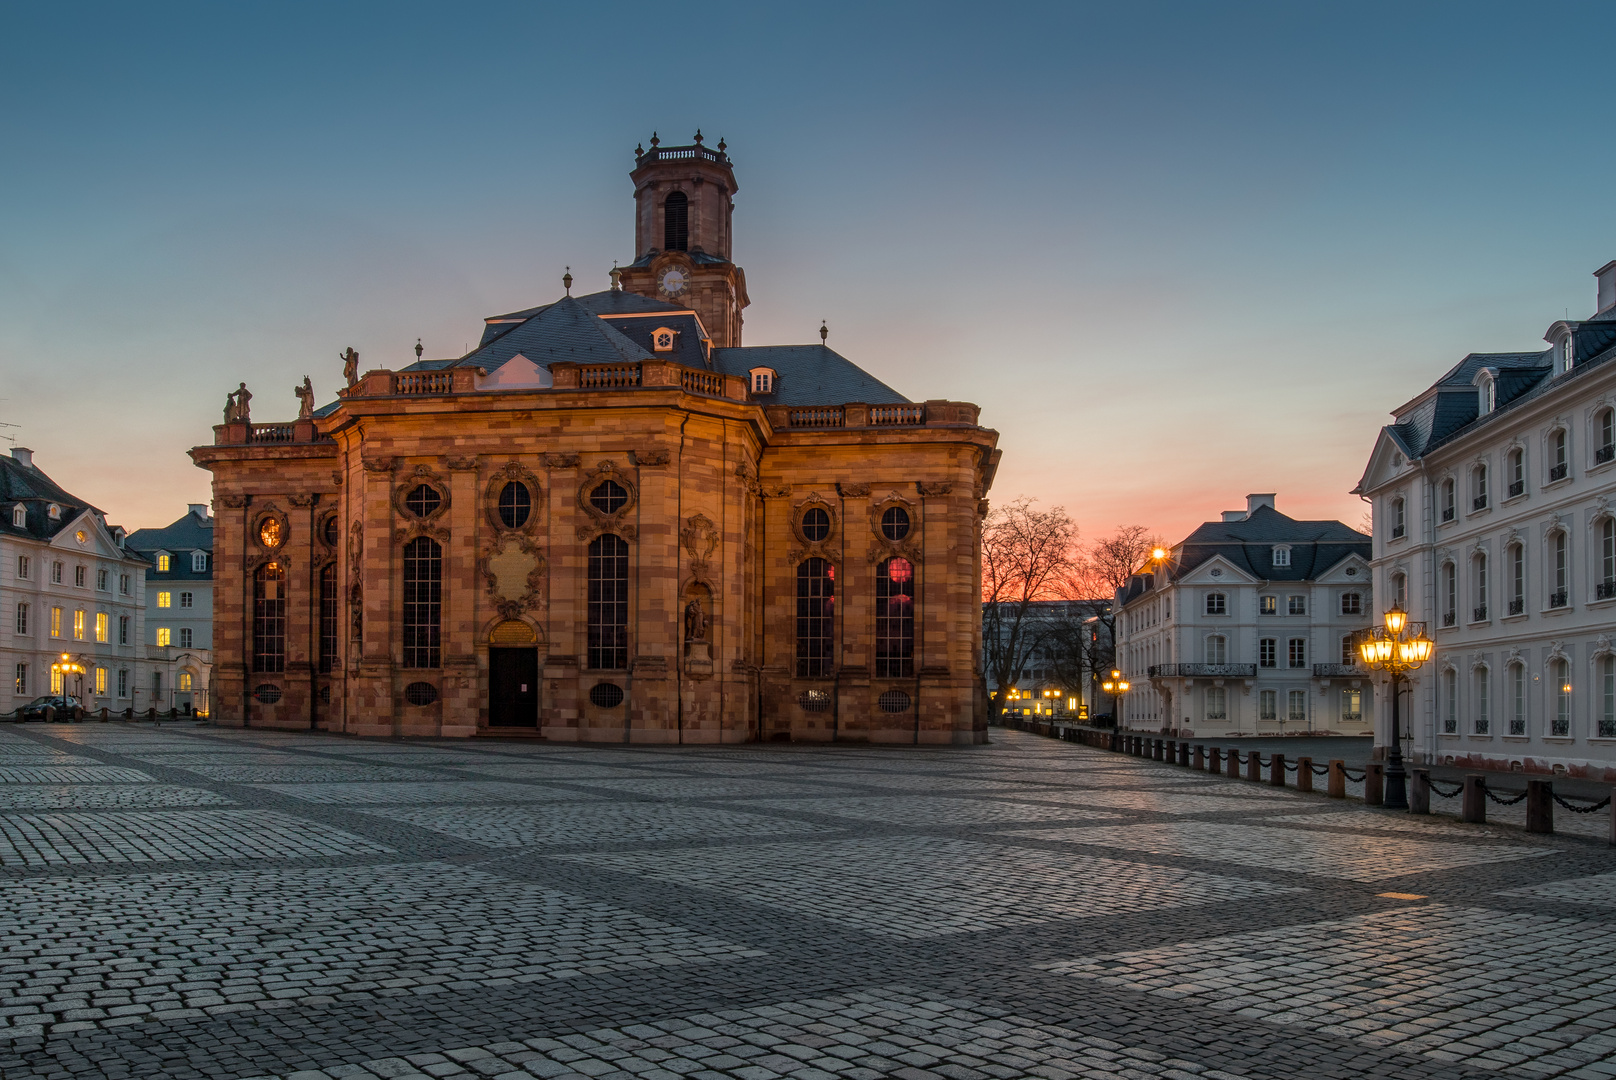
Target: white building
1246, 629
1492, 496
67, 586
179, 609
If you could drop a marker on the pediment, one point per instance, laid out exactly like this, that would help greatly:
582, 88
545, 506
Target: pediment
97, 540
1383, 467
517, 373
1338, 574
1217, 571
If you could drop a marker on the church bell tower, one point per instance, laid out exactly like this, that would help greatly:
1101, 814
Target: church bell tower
684, 200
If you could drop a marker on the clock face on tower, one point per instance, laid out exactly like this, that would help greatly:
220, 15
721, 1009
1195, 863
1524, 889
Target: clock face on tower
673, 281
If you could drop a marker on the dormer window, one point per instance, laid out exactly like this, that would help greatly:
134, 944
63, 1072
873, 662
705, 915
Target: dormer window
662, 339
53, 512
19, 516
1282, 555
762, 380
1567, 354
1487, 399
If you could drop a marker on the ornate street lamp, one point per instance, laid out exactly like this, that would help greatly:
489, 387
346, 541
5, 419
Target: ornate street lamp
1397, 648
1116, 686
66, 666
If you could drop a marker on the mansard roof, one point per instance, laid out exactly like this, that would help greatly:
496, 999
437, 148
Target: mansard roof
808, 375
1249, 544
189, 533
563, 331
28, 485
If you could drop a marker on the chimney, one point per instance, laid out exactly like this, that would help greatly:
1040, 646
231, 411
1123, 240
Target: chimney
1257, 502
1234, 515
1606, 276
23, 456
199, 509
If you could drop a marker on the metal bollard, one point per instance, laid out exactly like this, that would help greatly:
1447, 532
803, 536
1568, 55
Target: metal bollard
1374, 783
1156, 750
1336, 782
1473, 803
1200, 758
1184, 753
1276, 770
1233, 770
1304, 774
1419, 791
1214, 764
1253, 765
1539, 806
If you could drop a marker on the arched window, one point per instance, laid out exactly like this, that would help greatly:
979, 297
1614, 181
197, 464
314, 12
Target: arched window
1515, 464
1449, 499
328, 616
423, 603
1607, 559
1517, 699
1480, 564
676, 222
1560, 554
608, 603
1607, 697
1478, 494
1349, 655
1450, 594
1450, 702
1217, 649
1560, 671
1480, 705
515, 503
1559, 455
269, 618
1399, 518
895, 619
816, 610
1400, 590
1516, 554
1605, 427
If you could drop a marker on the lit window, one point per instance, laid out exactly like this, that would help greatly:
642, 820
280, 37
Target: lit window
1268, 605
58, 680
163, 635
185, 680
22, 680
162, 564
101, 681
78, 626
102, 623
165, 599
53, 512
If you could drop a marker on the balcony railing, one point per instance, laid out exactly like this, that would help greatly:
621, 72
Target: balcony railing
272, 433
1217, 716
1517, 488
1397, 532
1558, 599
1447, 513
432, 382
1479, 503
1202, 671
1450, 618
1559, 472
702, 382
1605, 590
1336, 671
1517, 606
825, 416
1480, 614
1352, 717
1604, 454
897, 414
608, 376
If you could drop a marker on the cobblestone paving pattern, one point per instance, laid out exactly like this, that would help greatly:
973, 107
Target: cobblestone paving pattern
191, 902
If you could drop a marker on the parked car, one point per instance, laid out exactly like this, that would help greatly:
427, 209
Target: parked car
61, 703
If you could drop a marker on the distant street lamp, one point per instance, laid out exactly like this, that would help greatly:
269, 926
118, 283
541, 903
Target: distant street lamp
1116, 686
68, 666
1398, 647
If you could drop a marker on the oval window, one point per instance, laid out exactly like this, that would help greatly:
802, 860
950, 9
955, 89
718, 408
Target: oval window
606, 695
894, 701
514, 505
816, 524
329, 531
420, 693
269, 533
895, 523
609, 497
814, 700
423, 501
268, 693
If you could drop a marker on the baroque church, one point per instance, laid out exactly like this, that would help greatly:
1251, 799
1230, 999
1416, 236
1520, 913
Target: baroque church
611, 521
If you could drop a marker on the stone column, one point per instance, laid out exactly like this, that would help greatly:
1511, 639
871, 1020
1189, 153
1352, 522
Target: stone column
464, 694
374, 709
566, 626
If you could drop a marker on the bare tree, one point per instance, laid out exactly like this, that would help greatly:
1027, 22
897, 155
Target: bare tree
1104, 569
1028, 555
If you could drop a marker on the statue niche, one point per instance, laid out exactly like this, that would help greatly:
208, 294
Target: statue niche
697, 629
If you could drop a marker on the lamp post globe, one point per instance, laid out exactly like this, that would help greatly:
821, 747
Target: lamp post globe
1396, 647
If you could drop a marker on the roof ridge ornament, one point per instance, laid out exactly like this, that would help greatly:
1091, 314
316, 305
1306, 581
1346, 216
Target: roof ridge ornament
418, 349
617, 277
566, 281
824, 331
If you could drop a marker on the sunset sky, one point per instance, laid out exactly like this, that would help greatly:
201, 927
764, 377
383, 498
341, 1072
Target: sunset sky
1177, 252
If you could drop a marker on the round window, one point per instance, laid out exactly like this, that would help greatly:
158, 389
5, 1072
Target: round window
895, 523
609, 497
269, 532
420, 693
268, 693
814, 700
816, 524
423, 501
328, 531
81, 536
606, 695
894, 701
514, 505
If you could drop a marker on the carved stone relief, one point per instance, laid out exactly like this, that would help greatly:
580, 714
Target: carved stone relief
514, 569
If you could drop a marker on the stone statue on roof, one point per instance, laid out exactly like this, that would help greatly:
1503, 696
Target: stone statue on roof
243, 398
350, 365
305, 397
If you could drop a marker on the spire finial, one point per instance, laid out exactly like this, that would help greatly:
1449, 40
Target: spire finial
639, 151
566, 281
655, 142
721, 146
824, 331
617, 277
698, 136
418, 349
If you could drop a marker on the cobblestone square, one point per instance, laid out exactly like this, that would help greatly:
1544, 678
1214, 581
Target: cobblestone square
193, 902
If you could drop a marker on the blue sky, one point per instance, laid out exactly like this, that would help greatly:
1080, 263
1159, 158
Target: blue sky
1178, 252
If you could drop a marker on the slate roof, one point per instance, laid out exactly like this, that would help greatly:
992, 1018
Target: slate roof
609, 302
28, 485
700, 258
563, 331
808, 375
190, 533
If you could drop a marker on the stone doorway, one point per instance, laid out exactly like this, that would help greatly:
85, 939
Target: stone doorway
513, 687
